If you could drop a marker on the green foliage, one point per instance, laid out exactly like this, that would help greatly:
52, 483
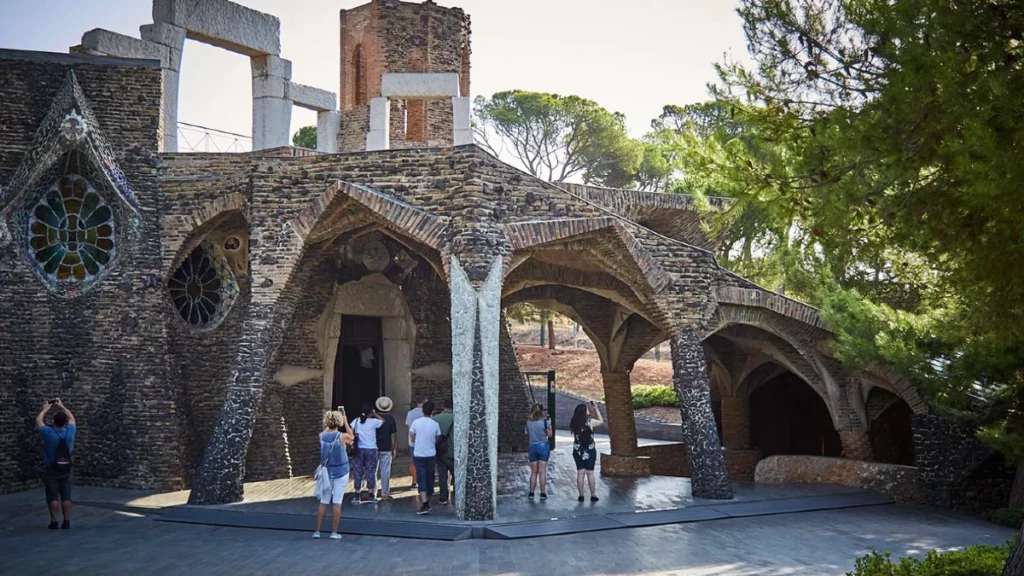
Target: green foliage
1009, 517
558, 137
305, 137
972, 561
523, 312
647, 396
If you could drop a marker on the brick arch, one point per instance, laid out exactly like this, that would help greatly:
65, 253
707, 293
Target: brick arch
193, 228
892, 382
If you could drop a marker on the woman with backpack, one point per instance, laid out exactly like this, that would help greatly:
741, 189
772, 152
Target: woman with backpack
365, 462
538, 429
583, 450
333, 457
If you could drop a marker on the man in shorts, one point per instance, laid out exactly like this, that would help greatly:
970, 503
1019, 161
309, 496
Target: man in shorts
414, 414
56, 474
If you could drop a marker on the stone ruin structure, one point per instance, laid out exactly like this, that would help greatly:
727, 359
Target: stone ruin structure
200, 311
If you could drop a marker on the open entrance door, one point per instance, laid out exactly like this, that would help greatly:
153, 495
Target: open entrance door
359, 366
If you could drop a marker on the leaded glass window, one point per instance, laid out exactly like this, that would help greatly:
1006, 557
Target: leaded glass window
203, 288
71, 232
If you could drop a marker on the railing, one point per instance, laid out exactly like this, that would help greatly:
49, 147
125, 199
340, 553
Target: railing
195, 138
550, 374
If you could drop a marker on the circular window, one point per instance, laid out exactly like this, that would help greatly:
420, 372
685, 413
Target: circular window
203, 288
71, 232
232, 244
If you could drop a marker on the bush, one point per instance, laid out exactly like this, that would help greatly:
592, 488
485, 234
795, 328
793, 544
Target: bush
1009, 517
973, 561
647, 396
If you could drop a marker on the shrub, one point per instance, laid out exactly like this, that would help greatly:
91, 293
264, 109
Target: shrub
647, 396
973, 561
1009, 517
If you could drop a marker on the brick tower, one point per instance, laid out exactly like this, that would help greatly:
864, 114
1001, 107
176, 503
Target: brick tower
392, 36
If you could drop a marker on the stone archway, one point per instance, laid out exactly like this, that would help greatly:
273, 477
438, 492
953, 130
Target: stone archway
372, 295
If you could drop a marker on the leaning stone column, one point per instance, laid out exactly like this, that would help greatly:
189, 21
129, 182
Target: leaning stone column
621, 421
690, 378
736, 422
475, 331
856, 443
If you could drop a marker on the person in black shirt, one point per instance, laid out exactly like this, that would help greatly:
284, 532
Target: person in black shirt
387, 446
583, 450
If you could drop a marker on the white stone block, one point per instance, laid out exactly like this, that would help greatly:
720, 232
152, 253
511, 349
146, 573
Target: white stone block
170, 109
224, 24
380, 114
271, 121
271, 66
164, 34
312, 98
461, 113
269, 87
462, 137
114, 44
412, 85
377, 140
328, 122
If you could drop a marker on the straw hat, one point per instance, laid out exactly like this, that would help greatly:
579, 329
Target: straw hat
384, 404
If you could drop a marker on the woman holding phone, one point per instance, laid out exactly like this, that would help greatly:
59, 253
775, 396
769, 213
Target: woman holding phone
333, 439
584, 452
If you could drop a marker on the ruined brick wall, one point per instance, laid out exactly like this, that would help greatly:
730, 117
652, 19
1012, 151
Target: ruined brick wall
513, 396
430, 305
355, 123
391, 36
103, 351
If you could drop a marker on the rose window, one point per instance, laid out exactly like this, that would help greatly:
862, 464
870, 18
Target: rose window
203, 288
71, 232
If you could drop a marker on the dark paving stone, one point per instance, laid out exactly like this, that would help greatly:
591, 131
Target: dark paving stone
676, 516
551, 527
800, 504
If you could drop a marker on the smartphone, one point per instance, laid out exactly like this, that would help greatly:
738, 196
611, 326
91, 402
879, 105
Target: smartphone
342, 410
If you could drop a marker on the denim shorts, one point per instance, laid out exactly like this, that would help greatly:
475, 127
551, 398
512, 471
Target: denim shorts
539, 451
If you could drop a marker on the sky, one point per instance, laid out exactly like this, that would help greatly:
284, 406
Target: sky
630, 56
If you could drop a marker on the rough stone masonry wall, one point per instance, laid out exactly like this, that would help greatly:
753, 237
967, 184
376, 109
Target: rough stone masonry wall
104, 351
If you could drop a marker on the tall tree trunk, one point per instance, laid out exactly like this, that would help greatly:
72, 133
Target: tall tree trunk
551, 334
543, 326
1015, 563
1017, 492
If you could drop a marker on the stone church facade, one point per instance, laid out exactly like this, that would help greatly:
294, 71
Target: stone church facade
200, 311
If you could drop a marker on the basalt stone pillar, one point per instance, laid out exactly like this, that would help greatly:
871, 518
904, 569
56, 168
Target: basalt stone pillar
621, 421
690, 378
475, 331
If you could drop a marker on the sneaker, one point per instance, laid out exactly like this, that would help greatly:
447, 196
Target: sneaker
442, 502
66, 525
364, 497
580, 499
543, 496
594, 498
530, 495
387, 498
316, 534
380, 495
53, 525
335, 536
424, 509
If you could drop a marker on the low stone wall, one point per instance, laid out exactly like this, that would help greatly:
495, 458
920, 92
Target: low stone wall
899, 482
673, 460
741, 464
612, 465
667, 459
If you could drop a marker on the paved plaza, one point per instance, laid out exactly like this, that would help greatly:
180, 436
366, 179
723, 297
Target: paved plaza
105, 541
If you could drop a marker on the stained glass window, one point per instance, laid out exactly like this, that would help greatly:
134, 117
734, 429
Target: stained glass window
71, 232
203, 288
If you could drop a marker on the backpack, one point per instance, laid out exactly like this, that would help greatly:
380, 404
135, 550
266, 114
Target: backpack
323, 485
62, 456
443, 441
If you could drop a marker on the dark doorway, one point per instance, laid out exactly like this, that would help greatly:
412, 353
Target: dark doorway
788, 417
359, 365
892, 439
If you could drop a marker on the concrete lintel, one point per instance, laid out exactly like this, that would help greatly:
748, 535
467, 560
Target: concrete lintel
328, 122
223, 24
269, 87
414, 85
271, 66
164, 34
110, 43
312, 98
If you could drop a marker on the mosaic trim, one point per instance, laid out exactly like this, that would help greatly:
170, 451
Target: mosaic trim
203, 288
68, 125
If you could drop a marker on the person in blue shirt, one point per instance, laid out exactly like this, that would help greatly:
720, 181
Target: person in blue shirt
336, 435
56, 476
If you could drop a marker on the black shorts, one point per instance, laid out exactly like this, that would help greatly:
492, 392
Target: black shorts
58, 486
586, 459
